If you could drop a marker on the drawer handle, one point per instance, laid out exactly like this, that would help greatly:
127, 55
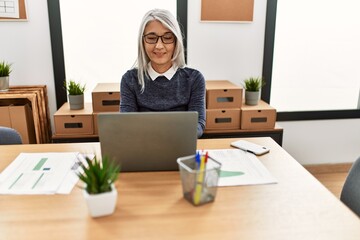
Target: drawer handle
225, 99
110, 102
259, 120
222, 120
73, 125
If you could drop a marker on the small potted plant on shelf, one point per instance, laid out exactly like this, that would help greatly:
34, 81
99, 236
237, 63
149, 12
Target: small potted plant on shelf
76, 94
5, 70
253, 87
99, 190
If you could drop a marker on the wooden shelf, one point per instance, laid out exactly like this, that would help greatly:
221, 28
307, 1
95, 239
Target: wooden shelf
275, 133
74, 138
36, 95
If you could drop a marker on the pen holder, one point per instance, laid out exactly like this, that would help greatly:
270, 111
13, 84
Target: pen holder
199, 187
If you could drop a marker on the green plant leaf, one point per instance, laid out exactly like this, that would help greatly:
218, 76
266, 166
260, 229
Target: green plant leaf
254, 84
74, 88
98, 176
5, 69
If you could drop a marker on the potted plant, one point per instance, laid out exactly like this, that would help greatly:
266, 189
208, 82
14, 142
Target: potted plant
76, 94
253, 87
5, 70
99, 190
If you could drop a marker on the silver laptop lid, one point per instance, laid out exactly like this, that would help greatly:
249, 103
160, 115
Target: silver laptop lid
147, 141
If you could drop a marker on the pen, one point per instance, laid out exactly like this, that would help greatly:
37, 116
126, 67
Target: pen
200, 179
197, 160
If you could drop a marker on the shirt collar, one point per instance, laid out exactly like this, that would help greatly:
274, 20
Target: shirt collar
168, 74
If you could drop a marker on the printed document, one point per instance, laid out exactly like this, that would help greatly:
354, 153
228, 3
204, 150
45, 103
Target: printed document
40, 173
240, 168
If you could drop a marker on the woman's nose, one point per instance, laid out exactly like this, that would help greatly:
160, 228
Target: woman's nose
159, 44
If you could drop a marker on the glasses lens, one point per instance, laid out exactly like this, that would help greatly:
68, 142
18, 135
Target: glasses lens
168, 38
151, 38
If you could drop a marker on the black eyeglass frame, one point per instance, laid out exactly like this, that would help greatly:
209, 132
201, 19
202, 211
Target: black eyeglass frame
157, 38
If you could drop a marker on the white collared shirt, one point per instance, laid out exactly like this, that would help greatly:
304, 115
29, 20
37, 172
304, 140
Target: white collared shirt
168, 74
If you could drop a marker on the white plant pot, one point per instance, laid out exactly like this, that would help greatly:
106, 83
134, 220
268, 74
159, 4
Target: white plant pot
4, 84
76, 102
102, 204
252, 98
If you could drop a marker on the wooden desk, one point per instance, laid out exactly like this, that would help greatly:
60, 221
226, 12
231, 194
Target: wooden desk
151, 206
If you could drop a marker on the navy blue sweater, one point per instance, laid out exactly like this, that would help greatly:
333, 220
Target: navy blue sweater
185, 91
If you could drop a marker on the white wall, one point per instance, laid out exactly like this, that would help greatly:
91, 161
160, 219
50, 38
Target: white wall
220, 50
322, 141
118, 47
226, 51
27, 46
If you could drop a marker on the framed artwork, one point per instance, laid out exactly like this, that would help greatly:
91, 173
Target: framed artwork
227, 10
13, 10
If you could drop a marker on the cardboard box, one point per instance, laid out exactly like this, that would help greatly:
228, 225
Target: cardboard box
223, 118
106, 97
21, 119
221, 94
261, 116
74, 122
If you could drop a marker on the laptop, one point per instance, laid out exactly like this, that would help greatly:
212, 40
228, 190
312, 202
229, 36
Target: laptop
147, 141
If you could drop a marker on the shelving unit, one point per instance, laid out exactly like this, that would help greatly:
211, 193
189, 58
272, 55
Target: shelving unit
36, 97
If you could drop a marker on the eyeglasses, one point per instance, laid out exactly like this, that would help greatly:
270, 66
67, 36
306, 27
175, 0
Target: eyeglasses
152, 38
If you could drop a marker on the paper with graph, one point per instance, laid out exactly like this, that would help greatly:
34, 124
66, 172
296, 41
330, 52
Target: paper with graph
40, 173
9, 8
240, 168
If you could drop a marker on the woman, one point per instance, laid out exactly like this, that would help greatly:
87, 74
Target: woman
160, 81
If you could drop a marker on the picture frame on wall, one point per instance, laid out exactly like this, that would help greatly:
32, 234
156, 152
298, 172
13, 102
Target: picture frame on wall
227, 11
13, 10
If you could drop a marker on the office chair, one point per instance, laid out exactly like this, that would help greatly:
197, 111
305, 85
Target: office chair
9, 136
350, 194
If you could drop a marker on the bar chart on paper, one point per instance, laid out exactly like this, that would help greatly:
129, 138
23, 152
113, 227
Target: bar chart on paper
230, 173
240, 168
37, 173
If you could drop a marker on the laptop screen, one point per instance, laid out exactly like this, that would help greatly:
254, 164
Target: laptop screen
147, 141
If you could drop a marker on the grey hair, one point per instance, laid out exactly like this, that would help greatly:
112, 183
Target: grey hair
168, 21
